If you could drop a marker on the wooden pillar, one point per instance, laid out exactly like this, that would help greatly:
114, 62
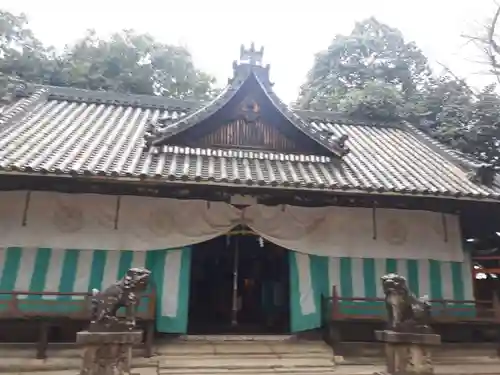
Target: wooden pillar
496, 312
43, 339
333, 326
149, 339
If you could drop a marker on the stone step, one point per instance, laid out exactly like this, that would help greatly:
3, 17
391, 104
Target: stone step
235, 338
339, 370
283, 371
187, 350
256, 357
243, 348
245, 363
438, 361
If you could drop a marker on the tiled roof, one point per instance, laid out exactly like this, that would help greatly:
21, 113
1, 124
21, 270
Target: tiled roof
54, 131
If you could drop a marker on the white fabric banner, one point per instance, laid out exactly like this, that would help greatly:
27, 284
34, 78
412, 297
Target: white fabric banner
162, 223
68, 221
322, 231
89, 221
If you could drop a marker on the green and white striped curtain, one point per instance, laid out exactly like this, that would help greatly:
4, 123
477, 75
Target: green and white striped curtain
71, 270
312, 276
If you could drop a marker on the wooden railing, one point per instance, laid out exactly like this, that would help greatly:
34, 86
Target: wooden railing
52, 309
75, 305
339, 308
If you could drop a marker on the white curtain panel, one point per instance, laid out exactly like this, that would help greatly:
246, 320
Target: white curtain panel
89, 221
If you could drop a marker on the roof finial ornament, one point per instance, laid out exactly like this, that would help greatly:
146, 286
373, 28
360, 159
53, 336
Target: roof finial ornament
483, 174
251, 60
338, 142
251, 56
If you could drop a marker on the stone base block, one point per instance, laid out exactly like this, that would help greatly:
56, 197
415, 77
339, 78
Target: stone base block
408, 353
408, 338
107, 353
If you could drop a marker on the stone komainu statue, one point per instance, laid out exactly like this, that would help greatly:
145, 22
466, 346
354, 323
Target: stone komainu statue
123, 293
405, 311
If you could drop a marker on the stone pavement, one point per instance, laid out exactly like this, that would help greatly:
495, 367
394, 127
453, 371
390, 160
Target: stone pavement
340, 370
247, 357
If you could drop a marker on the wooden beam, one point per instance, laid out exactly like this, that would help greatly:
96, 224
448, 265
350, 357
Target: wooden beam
264, 195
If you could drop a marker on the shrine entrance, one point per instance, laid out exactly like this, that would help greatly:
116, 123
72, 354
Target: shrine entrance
239, 284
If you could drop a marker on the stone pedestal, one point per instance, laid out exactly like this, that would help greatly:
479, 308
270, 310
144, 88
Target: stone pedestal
408, 353
107, 353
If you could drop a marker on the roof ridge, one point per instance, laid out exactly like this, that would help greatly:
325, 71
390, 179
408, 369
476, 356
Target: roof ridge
479, 172
330, 142
111, 97
158, 132
467, 162
17, 112
344, 119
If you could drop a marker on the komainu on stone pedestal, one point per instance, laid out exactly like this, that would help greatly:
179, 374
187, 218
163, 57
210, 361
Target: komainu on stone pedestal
408, 338
107, 345
107, 353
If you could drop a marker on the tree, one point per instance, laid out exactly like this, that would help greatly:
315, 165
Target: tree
132, 63
376, 101
373, 73
22, 55
373, 55
481, 137
127, 62
489, 44
469, 120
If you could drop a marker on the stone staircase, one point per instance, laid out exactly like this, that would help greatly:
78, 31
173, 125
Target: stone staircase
249, 355
252, 355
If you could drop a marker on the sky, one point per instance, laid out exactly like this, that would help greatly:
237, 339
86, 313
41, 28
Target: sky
291, 32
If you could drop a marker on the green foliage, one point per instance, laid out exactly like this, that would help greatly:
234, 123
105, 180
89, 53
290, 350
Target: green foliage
22, 55
132, 63
481, 136
374, 73
376, 101
126, 62
373, 52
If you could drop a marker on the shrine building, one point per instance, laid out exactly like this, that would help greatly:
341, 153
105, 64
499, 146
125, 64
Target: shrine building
248, 213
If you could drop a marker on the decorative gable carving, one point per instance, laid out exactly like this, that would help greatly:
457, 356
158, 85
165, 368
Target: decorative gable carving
246, 125
249, 110
247, 132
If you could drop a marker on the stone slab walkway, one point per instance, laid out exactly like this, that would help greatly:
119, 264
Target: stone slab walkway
249, 357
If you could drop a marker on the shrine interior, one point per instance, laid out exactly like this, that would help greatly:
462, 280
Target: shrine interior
239, 284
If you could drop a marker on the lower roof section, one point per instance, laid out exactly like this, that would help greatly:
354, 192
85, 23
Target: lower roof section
240, 168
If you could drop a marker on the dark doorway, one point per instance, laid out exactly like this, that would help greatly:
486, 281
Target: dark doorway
239, 284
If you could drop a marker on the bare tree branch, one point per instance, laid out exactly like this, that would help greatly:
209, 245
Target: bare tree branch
457, 78
488, 44
493, 49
